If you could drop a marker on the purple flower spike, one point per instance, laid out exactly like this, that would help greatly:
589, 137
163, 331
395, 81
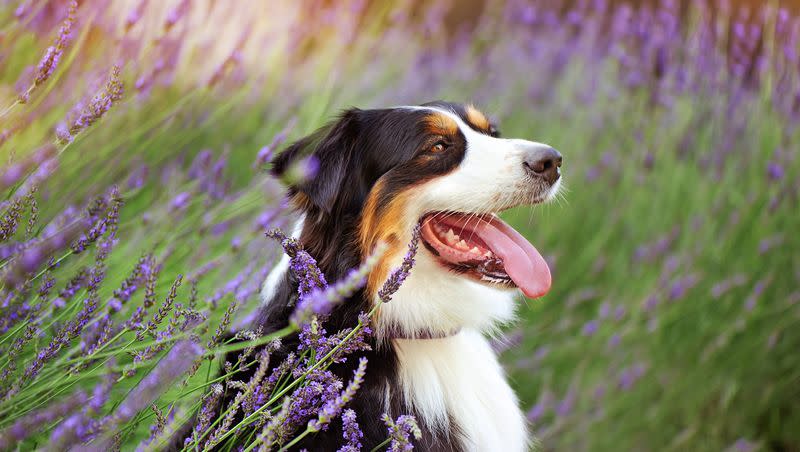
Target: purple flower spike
537, 411
48, 63
333, 407
401, 431
302, 264
321, 301
181, 200
100, 104
590, 328
32, 422
16, 171
397, 277
178, 360
135, 15
743, 445
774, 171
351, 431
176, 13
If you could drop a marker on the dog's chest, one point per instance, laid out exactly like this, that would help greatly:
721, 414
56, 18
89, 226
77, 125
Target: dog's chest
458, 379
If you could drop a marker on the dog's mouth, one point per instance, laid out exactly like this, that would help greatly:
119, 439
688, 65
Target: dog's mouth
486, 249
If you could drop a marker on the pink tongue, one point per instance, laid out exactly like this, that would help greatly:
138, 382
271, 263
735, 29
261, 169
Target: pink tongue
523, 263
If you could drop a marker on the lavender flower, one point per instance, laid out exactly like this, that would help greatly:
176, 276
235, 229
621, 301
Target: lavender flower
321, 386
181, 200
162, 432
265, 153
223, 325
81, 426
175, 14
163, 310
590, 327
177, 361
630, 375
29, 424
10, 219
565, 406
135, 14
100, 104
351, 432
401, 431
206, 415
15, 172
131, 283
775, 171
102, 225
301, 264
160, 424
243, 396
320, 301
538, 410
70, 331
743, 445
332, 408
357, 342
52, 56
400, 274
72, 287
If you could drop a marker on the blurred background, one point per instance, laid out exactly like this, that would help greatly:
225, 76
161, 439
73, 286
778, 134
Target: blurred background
674, 318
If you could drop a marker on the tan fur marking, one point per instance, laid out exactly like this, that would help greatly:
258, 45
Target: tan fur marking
387, 228
439, 124
477, 119
301, 202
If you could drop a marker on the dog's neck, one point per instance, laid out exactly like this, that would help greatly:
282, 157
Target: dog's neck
420, 335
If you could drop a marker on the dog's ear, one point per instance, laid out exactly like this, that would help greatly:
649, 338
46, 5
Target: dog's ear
332, 148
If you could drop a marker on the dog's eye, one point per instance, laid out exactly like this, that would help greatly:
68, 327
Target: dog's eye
438, 147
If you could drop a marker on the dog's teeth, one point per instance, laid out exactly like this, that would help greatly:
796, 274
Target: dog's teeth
488, 253
475, 250
462, 245
452, 238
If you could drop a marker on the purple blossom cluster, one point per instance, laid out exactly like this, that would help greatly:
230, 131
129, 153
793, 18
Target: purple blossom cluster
333, 407
53, 54
351, 431
307, 392
401, 431
60, 326
95, 109
400, 274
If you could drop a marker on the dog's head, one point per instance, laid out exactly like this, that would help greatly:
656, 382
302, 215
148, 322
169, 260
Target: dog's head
382, 172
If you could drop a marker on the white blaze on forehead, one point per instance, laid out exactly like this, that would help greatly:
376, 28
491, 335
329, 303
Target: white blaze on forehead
491, 177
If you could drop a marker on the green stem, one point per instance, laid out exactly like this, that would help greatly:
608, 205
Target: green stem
297, 381
385, 442
292, 442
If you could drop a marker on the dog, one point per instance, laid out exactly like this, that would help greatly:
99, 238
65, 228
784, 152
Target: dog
381, 173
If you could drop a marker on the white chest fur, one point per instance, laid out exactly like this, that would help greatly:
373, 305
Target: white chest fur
460, 376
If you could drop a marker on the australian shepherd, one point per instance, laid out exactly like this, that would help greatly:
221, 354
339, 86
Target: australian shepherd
381, 173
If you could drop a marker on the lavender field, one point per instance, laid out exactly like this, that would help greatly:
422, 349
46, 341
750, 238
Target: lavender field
134, 201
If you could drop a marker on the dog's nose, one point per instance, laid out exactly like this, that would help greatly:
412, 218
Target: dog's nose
544, 162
